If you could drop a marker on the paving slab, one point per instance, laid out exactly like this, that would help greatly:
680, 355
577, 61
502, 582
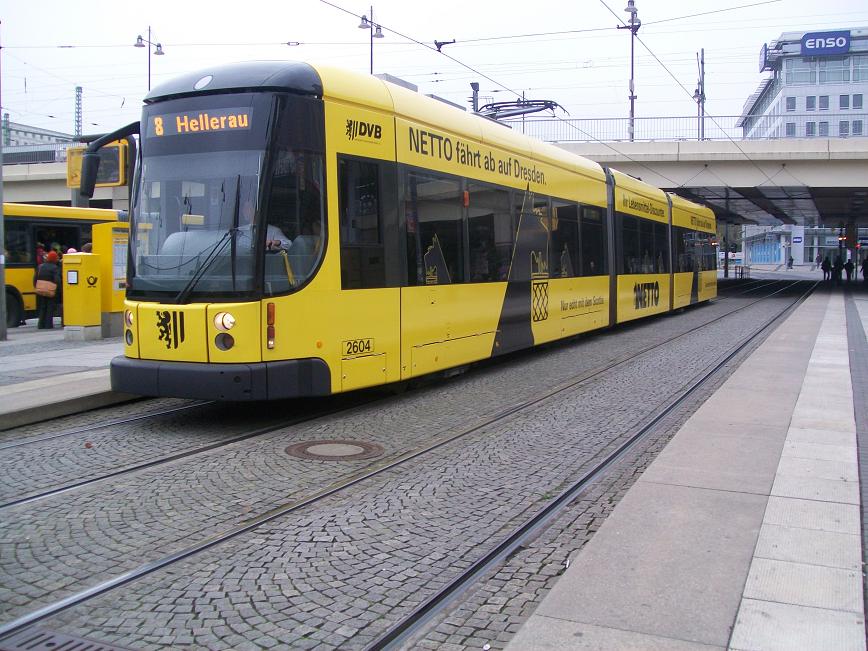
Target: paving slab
549, 634
649, 567
807, 514
802, 584
752, 461
798, 545
770, 626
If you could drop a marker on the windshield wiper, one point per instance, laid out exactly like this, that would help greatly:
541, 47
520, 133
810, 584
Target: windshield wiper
234, 230
218, 246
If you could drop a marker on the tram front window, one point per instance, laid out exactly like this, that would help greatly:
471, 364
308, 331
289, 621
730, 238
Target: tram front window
194, 223
230, 201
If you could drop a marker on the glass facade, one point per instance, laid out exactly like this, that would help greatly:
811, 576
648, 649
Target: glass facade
787, 102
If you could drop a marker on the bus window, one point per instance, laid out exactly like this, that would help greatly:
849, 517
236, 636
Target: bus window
59, 238
19, 248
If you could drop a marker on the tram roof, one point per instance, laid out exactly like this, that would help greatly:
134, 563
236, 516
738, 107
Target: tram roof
285, 76
370, 92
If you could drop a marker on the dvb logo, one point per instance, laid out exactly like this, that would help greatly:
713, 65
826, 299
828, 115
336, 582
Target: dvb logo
363, 130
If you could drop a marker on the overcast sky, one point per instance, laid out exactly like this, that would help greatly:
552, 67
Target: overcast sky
51, 46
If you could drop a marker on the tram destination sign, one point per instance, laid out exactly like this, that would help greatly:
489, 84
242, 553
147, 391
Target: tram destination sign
204, 121
824, 43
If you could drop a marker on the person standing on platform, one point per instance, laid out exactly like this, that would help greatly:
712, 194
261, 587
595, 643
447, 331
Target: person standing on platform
826, 266
47, 281
865, 269
848, 269
837, 270
817, 262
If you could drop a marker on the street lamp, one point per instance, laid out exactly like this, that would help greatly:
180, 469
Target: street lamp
158, 51
375, 30
633, 25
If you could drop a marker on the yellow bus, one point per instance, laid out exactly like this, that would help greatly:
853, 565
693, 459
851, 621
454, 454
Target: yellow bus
304, 230
31, 230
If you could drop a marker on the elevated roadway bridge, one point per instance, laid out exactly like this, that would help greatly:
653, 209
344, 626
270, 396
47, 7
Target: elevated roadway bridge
807, 182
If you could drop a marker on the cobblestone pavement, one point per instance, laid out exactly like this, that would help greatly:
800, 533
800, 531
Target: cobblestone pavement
335, 574
57, 462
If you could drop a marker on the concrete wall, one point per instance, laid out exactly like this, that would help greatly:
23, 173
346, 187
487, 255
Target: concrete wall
40, 182
817, 162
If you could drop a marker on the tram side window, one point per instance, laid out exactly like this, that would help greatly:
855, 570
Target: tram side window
433, 210
630, 260
661, 248
362, 255
19, 249
296, 211
533, 232
709, 253
490, 232
565, 253
681, 249
593, 239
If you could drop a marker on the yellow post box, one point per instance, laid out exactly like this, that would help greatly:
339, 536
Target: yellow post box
82, 312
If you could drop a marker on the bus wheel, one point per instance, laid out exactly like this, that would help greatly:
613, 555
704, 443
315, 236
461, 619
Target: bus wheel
14, 311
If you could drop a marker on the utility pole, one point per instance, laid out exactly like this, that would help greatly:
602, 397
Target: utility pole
78, 113
726, 238
76, 199
633, 25
702, 94
699, 96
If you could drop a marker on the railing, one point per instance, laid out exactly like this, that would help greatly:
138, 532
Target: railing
819, 124
50, 152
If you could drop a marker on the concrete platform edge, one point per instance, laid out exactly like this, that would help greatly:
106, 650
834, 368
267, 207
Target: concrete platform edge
30, 415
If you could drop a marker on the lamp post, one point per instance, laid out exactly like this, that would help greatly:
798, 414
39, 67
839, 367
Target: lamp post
375, 31
158, 51
633, 25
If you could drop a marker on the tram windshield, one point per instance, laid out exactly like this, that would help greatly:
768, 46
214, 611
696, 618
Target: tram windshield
230, 198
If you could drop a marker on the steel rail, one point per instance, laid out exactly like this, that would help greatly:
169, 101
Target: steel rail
97, 426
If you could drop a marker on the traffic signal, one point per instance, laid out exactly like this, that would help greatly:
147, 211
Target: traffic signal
850, 239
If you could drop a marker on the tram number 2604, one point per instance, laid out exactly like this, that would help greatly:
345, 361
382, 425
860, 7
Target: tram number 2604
358, 346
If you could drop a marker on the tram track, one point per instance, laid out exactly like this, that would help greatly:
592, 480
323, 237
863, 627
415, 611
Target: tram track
129, 470
342, 485
412, 625
151, 463
198, 404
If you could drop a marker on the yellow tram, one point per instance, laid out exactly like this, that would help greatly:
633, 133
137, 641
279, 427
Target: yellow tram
303, 230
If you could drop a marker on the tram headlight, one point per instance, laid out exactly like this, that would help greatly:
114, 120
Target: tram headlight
128, 318
224, 321
224, 341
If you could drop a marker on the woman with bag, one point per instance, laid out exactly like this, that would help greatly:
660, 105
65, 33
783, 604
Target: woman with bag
47, 280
